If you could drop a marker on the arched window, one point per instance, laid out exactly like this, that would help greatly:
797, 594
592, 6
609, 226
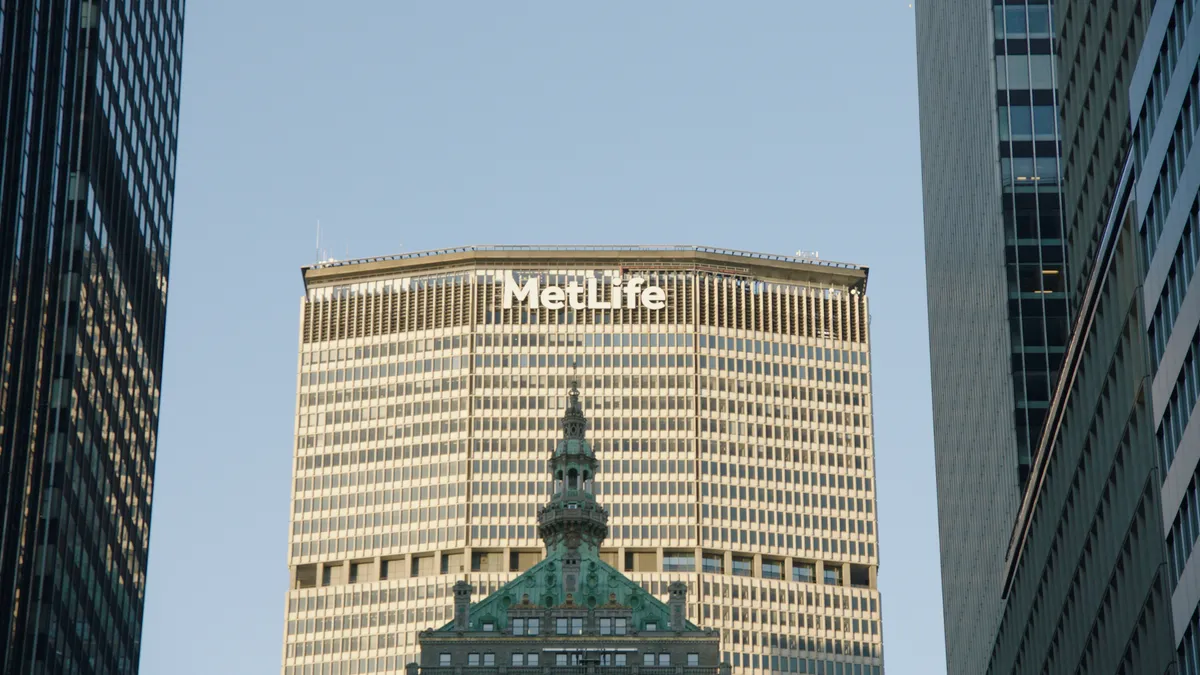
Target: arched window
573, 479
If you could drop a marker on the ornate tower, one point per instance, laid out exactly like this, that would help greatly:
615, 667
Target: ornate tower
572, 520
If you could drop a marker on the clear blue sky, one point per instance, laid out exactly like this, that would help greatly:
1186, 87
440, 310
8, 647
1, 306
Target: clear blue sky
766, 126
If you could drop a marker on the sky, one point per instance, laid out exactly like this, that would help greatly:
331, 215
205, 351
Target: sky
769, 126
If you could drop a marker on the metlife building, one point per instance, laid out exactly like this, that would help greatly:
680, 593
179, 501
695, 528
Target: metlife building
728, 395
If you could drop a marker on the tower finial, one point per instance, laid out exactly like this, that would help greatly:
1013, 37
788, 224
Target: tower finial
573, 422
572, 517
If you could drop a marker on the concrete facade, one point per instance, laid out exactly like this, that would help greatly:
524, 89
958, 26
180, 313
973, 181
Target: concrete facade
1164, 104
733, 427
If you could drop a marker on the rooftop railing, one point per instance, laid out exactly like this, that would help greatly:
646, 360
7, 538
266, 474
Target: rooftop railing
632, 249
414, 669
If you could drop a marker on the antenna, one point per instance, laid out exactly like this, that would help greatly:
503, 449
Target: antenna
318, 252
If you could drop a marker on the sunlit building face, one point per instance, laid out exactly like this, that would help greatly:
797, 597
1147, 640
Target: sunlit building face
728, 397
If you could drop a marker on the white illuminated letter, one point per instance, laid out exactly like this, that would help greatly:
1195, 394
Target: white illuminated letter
512, 292
575, 295
616, 294
631, 292
654, 298
593, 299
552, 297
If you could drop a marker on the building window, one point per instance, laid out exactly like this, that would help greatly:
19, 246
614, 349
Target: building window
833, 576
531, 659
647, 659
489, 659
804, 572
743, 567
772, 569
518, 626
612, 660
664, 659
679, 561
560, 625
489, 626
693, 659
618, 626
533, 626
714, 563
443, 659
651, 626
518, 659
472, 659
577, 626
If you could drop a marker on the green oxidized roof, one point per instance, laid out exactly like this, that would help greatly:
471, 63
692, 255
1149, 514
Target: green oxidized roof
543, 584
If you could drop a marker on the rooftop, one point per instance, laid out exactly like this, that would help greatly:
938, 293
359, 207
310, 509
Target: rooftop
798, 268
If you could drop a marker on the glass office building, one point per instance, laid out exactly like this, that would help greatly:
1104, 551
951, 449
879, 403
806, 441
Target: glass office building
1084, 574
998, 309
90, 92
728, 397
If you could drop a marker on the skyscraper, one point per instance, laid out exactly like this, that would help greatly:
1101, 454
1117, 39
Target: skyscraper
1164, 106
730, 403
90, 94
1084, 575
996, 283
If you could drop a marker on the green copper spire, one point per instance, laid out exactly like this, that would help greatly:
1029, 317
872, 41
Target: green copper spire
572, 520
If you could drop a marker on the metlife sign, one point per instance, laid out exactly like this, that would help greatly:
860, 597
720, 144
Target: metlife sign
630, 294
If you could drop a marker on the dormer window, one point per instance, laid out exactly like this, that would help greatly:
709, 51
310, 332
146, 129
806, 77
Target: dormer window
526, 626
613, 626
569, 626
651, 626
489, 626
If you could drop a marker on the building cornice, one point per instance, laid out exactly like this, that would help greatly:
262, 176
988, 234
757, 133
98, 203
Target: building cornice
733, 262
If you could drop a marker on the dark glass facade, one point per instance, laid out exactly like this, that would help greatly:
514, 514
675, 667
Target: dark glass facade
90, 98
1034, 252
